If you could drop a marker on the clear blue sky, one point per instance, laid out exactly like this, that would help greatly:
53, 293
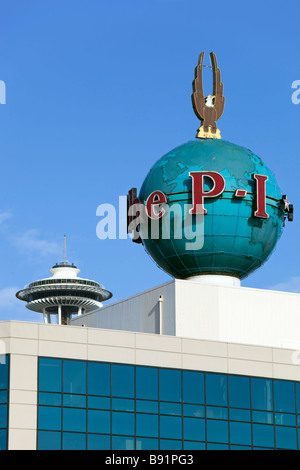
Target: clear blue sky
97, 91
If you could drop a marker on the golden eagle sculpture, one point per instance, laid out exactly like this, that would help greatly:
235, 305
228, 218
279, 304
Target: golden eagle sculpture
210, 108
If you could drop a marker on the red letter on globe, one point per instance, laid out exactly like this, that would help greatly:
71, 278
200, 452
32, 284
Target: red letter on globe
153, 209
132, 200
260, 196
198, 193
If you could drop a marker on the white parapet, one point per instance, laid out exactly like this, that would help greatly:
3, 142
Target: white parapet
210, 311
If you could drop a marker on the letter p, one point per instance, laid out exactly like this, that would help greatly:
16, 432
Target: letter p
198, 193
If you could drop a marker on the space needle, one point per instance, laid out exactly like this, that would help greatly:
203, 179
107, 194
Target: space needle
64, 294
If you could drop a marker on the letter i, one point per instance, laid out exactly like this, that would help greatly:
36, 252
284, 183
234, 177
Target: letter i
260, 196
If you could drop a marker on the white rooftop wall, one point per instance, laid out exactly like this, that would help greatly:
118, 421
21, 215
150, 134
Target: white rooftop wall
211, 312
140, 313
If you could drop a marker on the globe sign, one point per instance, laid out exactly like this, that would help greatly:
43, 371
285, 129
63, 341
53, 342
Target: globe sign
221, 193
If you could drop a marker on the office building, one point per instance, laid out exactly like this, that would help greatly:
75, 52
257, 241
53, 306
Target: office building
200, 362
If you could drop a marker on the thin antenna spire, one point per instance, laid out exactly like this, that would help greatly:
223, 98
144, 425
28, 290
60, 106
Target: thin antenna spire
65, 249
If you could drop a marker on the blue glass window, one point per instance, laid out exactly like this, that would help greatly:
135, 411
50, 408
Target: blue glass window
211, 446
262, 417
286, 437
4, 372
188, 445
147, 425
298, 396
260, 448
102, 403
53, 399
240, 415
123, 404
239, 447
216, 389
3, 416
216, 412
3, 396
99, 421
74, 419
147, 383
3, 439
74, 376
122, 443
198, 411
169, 408
98, 379
217, 431
4, 361
284, 396
170, 445
76, 401
122, 423
98, 442
122, 381
49, 440
240, 433
262, 394
49, 418
239, 391
74, 441
194, 429
263, 435
144, 406
170, 385
193, 387
171, 427
285, 419
143, 443
50, 375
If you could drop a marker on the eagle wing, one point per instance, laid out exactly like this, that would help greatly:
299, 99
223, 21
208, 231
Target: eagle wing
217, 87
198, 99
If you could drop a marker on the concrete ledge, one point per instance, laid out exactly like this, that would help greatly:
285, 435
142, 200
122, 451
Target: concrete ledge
26, 341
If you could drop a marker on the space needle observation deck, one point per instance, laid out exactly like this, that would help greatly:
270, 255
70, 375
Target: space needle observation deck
64, 294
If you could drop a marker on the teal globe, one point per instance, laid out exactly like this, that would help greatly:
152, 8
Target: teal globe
231, 240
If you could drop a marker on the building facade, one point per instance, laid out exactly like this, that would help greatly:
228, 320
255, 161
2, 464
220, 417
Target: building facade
83, 387
197, 363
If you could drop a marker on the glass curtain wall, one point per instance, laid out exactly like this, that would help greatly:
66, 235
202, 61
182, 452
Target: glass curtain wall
94, 405
4, 387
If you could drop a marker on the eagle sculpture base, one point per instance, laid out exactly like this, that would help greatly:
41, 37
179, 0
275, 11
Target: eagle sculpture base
201, 134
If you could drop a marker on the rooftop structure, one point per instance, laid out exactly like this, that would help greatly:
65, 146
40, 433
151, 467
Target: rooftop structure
196, 363
212, 207
64, 294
